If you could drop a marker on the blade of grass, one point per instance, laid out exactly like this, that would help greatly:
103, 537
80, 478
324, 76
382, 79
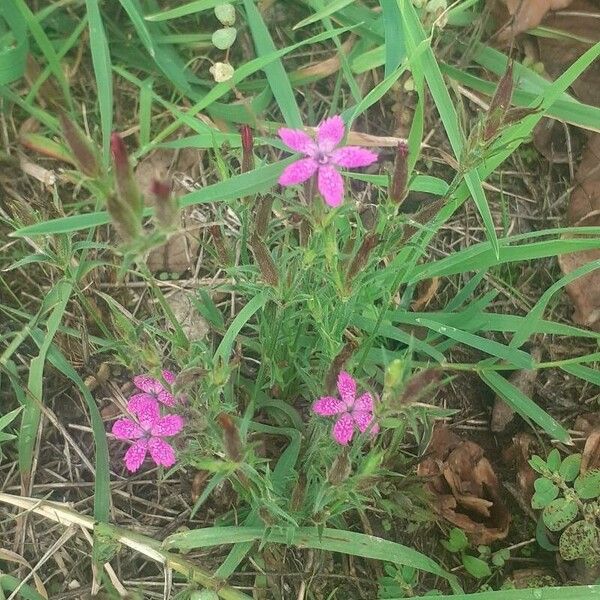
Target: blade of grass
526, 407
46, 47
187, 9
238, 186
427, 64
519, 359
331, 540
165, 57
274, 70
395, 50
103, 74
13, 55
331, 7
101, 466
584, 592
223, 352
56, 303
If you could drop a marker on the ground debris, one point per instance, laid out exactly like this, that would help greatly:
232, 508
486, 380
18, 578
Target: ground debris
465, 487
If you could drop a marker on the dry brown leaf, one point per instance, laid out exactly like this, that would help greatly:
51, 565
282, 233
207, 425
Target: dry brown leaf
590, 457
584, 209
326, 67
426, 291
526, 14
465, 487
192, 323
518, 455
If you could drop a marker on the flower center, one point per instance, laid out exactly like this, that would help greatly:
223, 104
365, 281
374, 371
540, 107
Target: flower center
322, 158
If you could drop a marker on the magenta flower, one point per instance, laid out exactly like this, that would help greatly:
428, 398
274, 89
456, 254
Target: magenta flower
354, 413
148, 433
153, 389
323, 158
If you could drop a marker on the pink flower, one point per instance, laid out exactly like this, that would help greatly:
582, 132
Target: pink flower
153, 389
354, 413
148, 433
323, 158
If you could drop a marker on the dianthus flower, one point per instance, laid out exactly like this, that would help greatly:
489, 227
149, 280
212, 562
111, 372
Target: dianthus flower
354, 413
147, 432
323, 158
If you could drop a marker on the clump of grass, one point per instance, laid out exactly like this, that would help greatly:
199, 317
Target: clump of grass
309, 278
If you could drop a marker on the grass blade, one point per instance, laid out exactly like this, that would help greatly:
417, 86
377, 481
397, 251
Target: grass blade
276, 74
526, 407
331, 540
46, 47
103, 74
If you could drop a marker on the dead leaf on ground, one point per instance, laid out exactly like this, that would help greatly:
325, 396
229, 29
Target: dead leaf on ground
426, 291
517, 455
526, 14
465, 488
191, 322
584, 209
590, 457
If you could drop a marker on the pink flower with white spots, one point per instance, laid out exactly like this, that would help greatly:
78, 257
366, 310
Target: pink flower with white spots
354, 413
323, 158
148, 433
153, 389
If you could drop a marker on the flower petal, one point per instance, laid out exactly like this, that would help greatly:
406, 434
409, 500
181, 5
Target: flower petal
147, 384
298, 171
297, 140
161, 452
167, 426
362, 418
330, 133
145, 408
166, 398
327, 406
134, 457
353, 156
364, 403
343, 430
347, 388
169, 376
126, 429
331, 185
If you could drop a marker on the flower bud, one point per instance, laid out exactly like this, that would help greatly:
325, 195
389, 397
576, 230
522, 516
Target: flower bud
84, 153
265, 261
127, 187
500, 104
219, 242
231, 438
340, 469
123, 219
247, 149
362, 256
166, 209
263, 215
397, 188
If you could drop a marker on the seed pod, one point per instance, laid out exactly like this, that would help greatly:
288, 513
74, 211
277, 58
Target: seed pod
397, 189
85, 154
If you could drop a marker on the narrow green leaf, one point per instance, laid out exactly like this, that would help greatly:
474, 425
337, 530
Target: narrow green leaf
276, 74
189, 8
103, 74
331, 8
526, 407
